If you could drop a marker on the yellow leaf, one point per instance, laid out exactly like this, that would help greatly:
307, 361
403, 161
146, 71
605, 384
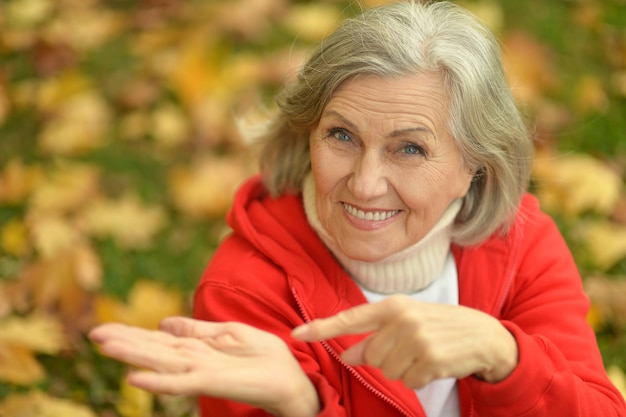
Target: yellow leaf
61, 283
131, 223
618, 82
14, 238
20, 338
109, 309
17, 181
490, 12
312, 21
79, 125
133, 401
39, 404
249, 19
528, 66
206, 188
617, 377
87, 267
6, 302
83, 28
590, 95
170, 127
573, 184
196, 72
134, 126
5, 104
53, 234
27, 13
36, 332
67, 187
53, 92
595, 318
607, 300
148, 304
19, 366
605, 240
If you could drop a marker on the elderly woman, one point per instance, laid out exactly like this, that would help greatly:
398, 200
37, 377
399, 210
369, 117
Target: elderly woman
391, 229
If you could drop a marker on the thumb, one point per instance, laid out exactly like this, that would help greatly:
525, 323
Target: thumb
179, 326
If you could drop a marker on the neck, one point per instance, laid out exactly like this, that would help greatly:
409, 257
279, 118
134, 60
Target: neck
407, 271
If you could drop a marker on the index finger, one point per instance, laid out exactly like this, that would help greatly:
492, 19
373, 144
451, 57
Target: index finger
361, 319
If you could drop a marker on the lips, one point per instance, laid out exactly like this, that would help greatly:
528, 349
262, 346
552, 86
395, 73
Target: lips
374, 215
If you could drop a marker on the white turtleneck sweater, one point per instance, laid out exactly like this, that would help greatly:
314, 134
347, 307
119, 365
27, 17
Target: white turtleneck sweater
425, 271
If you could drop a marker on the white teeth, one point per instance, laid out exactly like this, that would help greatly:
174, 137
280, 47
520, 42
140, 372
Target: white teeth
370, 215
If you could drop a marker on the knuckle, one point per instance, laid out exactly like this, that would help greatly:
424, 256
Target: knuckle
415, 380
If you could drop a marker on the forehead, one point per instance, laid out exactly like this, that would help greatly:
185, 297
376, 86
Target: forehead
412, 97
414, 89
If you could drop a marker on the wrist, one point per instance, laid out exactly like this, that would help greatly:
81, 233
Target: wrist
503, 361
299, 400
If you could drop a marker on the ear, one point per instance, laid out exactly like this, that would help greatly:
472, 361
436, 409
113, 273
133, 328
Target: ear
472, 174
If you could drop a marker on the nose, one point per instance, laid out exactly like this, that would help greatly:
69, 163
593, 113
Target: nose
369, 177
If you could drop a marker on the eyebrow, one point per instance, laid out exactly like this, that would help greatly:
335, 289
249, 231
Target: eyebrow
393, 134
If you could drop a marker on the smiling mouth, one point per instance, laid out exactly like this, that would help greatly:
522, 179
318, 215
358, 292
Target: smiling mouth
369, 215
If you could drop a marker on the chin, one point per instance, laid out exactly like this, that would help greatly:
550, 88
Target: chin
366, 254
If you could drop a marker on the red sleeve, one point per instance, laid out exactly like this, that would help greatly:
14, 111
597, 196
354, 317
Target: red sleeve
560, 370
266, 304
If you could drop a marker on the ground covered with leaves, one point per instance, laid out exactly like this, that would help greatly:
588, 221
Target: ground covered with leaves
119, 156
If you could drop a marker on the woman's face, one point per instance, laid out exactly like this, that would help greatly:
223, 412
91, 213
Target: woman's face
385, 164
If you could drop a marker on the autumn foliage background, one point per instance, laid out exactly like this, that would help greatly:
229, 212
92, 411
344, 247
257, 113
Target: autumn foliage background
119, 156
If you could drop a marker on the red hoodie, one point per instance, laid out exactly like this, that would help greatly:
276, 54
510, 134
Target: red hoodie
273, 272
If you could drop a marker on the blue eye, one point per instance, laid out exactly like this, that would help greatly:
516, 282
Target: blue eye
340, 134
413, 149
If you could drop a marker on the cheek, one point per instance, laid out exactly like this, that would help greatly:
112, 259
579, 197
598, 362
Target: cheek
327, 168
463, 181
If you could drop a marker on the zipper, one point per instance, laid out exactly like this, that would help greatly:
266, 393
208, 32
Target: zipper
350, 369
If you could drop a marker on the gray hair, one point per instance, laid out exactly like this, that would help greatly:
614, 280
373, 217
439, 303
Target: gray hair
404, 39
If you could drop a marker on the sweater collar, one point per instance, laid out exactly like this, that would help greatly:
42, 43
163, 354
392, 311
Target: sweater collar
406, 271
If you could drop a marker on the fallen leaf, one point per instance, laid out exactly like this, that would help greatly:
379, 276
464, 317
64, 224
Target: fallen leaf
588, 15
79, 125
489, 12
607, 296
134, 402
131, 223
27, 13
312, 21
5, 104
590, 96
575, 183
134, 126
196, 72
14, 238
618, 81
36, 332
605, 240
66, 188
20, 339
39, 404
148, 303
206, 188
19, 366
85, 27
53, 234
248, 19
528, 67
170, 126
63, 284
17, 181
617, 377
